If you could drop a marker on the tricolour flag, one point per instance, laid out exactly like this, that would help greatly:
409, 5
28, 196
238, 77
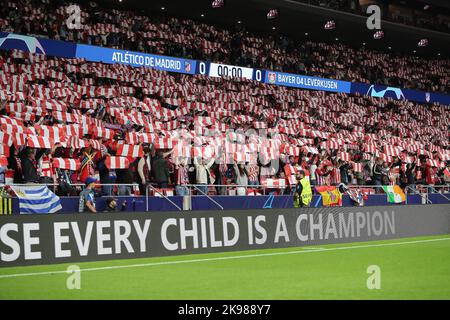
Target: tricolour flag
36, 199
395, 194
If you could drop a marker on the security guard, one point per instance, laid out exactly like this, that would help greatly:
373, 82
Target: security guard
303, 193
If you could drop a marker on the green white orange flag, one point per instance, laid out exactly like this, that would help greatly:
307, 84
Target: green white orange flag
395, 194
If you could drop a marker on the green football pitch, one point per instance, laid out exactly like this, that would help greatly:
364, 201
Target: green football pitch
409, 268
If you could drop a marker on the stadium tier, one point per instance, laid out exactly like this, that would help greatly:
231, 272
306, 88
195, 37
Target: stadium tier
186, 38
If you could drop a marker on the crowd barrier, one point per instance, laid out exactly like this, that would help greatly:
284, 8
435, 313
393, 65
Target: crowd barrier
64, 238
267, 198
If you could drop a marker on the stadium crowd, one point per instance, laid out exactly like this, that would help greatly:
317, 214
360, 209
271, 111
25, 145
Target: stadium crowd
418, 17
190, 39
66, 120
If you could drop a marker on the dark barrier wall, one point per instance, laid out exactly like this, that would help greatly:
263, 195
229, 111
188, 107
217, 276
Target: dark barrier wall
44, 239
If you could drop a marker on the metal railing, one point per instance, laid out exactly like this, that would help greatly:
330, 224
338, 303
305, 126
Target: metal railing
198, 189
419, 188
422, 190
439, 193
160, 193
424, 196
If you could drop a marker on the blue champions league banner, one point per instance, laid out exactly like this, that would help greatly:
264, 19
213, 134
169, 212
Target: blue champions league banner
305, 82
380, 91
135, 59
10, 41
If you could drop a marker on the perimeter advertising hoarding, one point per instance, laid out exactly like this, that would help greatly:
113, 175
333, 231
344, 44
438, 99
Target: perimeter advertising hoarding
46, 239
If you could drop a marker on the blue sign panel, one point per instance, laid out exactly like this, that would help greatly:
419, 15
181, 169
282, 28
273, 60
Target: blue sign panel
380, 91
10, 41
135, 59
305, 82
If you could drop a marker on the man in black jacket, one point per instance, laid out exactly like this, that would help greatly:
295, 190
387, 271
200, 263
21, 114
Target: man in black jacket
376, 174
160, 170
410, 175
29, 159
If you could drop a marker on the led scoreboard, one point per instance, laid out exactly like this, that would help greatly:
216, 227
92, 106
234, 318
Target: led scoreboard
229, 71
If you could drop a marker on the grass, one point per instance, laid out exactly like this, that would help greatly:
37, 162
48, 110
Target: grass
416, 270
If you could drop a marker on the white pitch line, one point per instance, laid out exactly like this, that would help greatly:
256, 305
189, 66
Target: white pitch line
224, 258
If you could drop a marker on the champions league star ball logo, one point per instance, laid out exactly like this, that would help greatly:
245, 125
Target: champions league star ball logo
31, 42
427, 97
397, 92
272, 77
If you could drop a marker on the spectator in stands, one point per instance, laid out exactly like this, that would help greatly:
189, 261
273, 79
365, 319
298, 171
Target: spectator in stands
377, 173
220, 172
64, 176
253, 172
29, 158
241, 179
446, 173
335, 174
182, 177
111, 205
160, 170
203, 175
430, 177
410, 176
107, 177
14, 163
87, 158
143, 170
87, 196
269, 168
312, 171
421, 172
343, 168
125, 178
385, 174
323, 173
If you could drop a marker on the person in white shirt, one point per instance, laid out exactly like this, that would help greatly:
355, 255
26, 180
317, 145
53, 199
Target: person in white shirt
203, 175
241, 179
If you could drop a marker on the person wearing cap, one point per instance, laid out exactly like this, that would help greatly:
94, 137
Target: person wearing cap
87, 197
